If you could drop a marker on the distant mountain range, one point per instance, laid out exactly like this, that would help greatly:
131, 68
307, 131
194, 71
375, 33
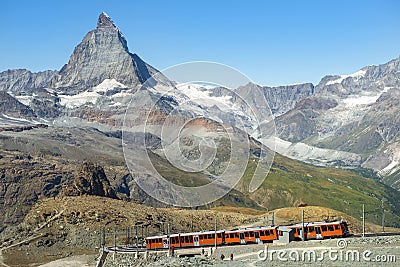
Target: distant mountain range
347, 121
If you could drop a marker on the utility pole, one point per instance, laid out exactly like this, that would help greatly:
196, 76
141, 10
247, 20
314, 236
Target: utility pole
115, 240
302, 225
273, 219
363, 220
137, 240
215, 233
103, 238
383, 215
169, 241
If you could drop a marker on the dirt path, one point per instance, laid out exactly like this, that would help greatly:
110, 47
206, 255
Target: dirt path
2, 264
73, 261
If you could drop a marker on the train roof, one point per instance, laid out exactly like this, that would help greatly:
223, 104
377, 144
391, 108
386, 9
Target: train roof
249, 229
186, 234
252, 229
316, 223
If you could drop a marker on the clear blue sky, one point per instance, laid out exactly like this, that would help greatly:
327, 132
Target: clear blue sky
273, 42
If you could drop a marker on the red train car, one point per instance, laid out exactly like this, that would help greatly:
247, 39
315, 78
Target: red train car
255, 235
185, 240
320, 230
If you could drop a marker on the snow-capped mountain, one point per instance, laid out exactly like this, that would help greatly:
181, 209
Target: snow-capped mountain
345, 120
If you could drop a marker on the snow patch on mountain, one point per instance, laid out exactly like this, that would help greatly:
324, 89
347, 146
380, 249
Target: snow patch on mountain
24, 99
359, 74
73, 101
108, 84
97, 92
201, 95
393, 166
364, 99
311, 154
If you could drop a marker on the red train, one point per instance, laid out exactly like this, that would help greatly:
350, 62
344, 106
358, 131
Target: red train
320, 230
255, 235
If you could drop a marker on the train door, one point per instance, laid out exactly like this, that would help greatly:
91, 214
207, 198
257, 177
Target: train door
242, 240
196, 241
257, 236
318, 233
165, 242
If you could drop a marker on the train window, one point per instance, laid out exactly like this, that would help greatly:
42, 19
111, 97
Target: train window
311, 229
246, 234
281, 233
219, 235
213, 236
298, 230
182, 239
257, 235
323, 227
236, 235
337, 227
262, 233
191, 239
232, 235
251, 234
330, 227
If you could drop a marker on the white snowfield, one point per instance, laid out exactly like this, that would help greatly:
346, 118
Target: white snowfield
359, 74
200, 94
310, 154
108, 84
394, 165
73, 101
364, 99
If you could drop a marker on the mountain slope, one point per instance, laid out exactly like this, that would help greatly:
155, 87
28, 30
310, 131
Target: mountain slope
102, 54
362, 122
18, 81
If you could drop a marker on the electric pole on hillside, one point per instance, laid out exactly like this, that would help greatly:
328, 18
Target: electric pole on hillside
302, 225
383, 215
137, 239
169, 241
273, 219
363, 220
215, 233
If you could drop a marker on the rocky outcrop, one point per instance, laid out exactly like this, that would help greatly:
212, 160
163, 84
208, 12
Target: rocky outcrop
22, 80
24, 179
12, 107
283, 98
280, 99
300, 122
90, 180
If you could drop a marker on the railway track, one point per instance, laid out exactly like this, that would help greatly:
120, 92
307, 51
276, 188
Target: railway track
375, 234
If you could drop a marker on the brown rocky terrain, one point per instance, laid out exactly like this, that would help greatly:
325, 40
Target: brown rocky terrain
63, 226
90, 180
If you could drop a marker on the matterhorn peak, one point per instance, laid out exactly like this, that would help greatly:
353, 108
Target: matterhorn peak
105, 21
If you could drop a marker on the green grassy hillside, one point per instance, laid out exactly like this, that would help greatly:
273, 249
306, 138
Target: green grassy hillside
290, 183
